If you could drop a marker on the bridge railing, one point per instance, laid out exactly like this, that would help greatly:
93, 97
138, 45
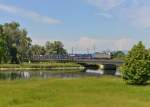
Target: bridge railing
68, 58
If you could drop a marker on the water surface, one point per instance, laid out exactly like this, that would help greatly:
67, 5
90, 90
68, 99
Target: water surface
13, 75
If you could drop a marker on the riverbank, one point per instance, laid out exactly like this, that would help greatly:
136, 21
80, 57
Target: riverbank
40, 66
81, 92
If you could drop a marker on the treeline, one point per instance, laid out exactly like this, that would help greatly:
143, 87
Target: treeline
16, 46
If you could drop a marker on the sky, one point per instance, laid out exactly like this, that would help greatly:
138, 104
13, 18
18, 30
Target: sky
84, 25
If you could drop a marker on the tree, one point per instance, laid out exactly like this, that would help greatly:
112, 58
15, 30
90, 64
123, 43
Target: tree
3, 50
56, 47
136, 69
37, 50
17, 41
3, 47
118, 54
15, 45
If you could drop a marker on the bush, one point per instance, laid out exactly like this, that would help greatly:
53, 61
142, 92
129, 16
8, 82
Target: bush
136, 69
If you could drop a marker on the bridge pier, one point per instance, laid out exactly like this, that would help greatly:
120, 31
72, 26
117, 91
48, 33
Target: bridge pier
107, 66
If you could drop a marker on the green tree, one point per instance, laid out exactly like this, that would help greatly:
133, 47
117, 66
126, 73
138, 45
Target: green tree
3, 47
15, 45
37, 50
136, 69
118, 54
17, 41
3, 50
55, 47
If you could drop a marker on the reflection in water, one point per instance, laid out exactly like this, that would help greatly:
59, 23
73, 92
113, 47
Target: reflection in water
101, 72
104, 72
11, 75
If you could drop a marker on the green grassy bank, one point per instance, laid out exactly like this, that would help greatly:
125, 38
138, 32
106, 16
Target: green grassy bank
36, 66
83, 92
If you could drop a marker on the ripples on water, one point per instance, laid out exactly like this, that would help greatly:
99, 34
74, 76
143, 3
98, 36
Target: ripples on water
11, 75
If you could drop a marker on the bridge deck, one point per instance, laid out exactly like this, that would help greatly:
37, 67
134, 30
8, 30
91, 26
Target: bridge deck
100, 61
87, 61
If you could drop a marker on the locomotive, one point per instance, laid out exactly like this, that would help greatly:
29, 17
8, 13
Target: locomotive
98, 55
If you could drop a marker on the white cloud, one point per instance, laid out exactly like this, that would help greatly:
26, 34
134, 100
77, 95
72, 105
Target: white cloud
105, 4
7, 8
39, 41
140, 16
85, 43
135, 12
124, 43
34, 16
40, 18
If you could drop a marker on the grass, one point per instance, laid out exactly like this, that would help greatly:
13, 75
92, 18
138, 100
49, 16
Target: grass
39, 66
81, 92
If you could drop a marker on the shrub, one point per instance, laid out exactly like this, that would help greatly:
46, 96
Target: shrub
136, 69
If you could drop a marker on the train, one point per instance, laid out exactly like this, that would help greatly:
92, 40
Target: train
96, 55
104, 55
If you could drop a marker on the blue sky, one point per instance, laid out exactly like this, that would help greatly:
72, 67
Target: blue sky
82, 24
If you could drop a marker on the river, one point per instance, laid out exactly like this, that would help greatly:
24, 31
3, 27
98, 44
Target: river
19, 75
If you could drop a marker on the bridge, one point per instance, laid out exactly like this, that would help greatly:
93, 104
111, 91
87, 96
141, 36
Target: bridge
86, 61
103, 64
100, 61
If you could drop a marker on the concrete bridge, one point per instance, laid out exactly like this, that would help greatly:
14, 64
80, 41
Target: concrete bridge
66, 58
100, 61
103, 64
86, 61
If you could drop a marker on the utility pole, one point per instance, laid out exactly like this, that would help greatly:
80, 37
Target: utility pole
72, 50
94, 48
88, 50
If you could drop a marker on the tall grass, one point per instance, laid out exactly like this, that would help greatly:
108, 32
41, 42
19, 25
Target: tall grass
81, 92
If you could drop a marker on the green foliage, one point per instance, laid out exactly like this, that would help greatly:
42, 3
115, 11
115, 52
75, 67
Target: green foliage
15, 45
3, 47
136, 69
36, 66
3, 50
55, 47
17, 41
37, 50
118, 54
